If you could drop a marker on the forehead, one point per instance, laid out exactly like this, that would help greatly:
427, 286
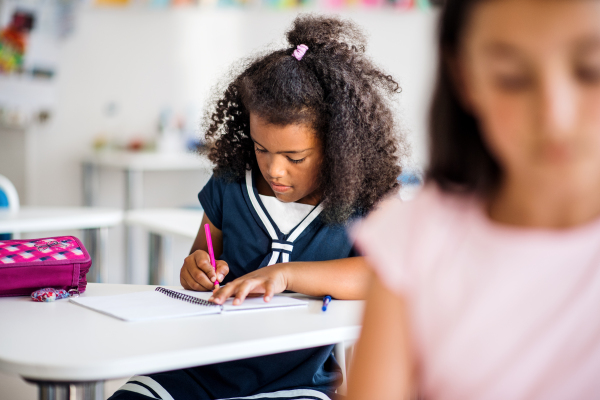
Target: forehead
533, 26
291, 137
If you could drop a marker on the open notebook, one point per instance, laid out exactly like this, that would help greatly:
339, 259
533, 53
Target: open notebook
166, 303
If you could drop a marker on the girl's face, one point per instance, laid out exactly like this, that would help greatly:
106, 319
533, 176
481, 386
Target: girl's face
529, 70
289, 158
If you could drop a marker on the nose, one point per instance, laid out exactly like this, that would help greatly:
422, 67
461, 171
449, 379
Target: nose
276, 167
558, 107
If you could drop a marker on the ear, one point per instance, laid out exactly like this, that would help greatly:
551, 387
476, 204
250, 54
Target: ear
459, 77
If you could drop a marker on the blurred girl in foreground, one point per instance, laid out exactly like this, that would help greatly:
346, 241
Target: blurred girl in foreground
488, 284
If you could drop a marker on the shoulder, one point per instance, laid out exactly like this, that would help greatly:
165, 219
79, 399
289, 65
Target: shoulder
400, 234
217, 185
430, 205
215, 196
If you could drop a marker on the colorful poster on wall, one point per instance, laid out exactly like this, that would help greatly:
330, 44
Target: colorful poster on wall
13, 41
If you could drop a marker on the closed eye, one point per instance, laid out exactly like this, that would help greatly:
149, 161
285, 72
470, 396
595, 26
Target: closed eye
260, 150
296, 161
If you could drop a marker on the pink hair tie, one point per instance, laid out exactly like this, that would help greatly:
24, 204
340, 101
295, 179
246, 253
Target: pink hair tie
300, 51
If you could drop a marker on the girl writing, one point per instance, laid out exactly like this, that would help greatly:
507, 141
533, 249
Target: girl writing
304, 141
488, 284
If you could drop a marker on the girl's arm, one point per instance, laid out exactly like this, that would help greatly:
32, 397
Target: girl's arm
197, 273
382, 367
345, 279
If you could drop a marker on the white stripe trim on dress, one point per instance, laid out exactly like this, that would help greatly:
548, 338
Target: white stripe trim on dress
309, 218
285, 257
132, 387
258, 208
274, 258
146, 380
284, 394
282, 246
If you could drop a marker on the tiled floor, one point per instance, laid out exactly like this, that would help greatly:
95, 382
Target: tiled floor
14, 388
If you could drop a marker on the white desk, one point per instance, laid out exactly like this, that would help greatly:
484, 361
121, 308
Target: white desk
162, 224
167, 221
43, 219
86, 346
134, 164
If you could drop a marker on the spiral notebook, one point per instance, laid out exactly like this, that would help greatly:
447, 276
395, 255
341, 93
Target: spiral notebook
166, 303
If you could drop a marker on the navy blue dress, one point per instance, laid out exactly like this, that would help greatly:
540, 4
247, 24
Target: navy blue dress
251, 240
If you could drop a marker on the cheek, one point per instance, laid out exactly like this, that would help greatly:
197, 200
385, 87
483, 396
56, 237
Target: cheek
505, 123
590, 117
307, 174
261, 160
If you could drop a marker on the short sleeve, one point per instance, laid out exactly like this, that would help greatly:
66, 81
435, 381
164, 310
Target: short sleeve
211, 199
383, 238
401, 238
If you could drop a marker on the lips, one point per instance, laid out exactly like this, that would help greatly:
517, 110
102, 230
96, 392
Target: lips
279, 188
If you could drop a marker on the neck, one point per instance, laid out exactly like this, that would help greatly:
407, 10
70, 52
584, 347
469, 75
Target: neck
554, 205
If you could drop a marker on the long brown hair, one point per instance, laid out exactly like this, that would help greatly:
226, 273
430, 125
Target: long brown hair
459, 160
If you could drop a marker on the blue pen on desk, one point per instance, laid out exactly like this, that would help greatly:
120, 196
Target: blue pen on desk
326, 301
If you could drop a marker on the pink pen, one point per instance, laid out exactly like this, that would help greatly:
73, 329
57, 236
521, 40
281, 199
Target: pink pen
211, 252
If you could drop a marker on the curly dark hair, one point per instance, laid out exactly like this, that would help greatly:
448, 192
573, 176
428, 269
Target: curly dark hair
336, 90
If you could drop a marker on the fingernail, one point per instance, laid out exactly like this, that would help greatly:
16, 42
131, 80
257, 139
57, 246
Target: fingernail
267, 299
221, 276
236, 302
211, 298
212, 279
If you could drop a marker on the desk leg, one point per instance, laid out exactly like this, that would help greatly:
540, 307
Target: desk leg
90, 241
96, 243
71, 391
91, 184
160, 260
134, 192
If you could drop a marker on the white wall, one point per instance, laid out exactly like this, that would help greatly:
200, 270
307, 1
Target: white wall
144, 60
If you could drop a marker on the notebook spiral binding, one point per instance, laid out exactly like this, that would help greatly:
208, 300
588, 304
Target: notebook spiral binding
185, 297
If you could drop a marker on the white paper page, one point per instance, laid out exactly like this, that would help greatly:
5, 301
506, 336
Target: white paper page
143, 306
251, 303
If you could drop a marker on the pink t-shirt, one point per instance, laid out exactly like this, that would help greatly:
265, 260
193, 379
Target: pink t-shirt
496, 312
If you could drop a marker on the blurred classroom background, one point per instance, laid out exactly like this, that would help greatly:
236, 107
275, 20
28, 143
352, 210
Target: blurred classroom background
109, 76
90, 80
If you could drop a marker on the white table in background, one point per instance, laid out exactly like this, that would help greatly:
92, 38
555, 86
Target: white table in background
134, 164
93, 220
162, 224
86, 347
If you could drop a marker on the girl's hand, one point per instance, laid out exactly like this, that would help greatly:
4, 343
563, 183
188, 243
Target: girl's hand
198, 274
268, 280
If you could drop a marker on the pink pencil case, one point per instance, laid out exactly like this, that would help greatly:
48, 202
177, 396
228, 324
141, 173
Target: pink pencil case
28, 265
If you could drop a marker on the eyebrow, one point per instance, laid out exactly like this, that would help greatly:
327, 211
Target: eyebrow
499, 49
285, 152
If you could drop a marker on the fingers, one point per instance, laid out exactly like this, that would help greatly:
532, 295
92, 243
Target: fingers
269, 290
220, 295
198, 274
222, 270
202, 261
242, 292
188, 281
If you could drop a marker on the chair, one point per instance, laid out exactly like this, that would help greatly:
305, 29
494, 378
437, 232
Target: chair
9, 198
